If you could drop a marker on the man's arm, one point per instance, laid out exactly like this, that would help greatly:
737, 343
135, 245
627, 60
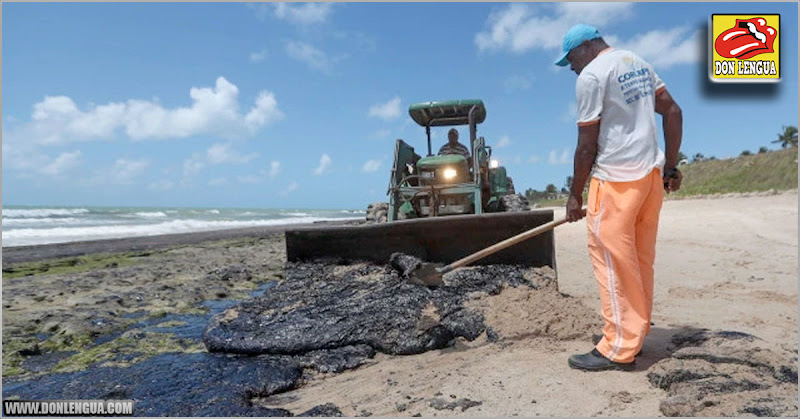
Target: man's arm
673, 132
585, 155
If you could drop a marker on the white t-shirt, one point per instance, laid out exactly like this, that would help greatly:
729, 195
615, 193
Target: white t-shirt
617, 90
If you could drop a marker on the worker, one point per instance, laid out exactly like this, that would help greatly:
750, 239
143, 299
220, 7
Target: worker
453, 146
618, 94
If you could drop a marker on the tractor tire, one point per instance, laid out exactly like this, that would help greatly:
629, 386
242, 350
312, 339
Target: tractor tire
377, 212
514, 203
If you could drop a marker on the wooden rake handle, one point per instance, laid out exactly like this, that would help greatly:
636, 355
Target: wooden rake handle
525, 235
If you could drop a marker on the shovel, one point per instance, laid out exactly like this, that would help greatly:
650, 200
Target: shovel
428, 274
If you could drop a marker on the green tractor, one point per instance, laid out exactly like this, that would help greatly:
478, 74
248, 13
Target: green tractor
449, 184
440, 209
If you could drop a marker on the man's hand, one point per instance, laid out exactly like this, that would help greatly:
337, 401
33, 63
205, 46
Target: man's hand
574, 210
672, 180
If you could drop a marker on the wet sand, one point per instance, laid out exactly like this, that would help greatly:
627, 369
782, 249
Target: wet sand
728, 264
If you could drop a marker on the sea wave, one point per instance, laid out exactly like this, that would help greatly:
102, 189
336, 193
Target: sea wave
294, 214
156, 214
42, 212
15, 222
31, 236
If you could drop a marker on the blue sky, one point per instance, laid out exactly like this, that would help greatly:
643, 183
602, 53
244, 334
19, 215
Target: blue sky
299, 105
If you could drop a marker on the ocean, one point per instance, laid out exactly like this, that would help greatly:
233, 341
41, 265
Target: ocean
29, 225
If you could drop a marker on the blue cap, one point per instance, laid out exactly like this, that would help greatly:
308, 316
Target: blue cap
574, 37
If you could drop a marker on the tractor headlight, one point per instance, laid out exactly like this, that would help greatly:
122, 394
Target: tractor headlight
450, 173
494, 164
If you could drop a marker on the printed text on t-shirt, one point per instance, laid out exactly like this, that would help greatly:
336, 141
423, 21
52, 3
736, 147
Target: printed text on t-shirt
635, 85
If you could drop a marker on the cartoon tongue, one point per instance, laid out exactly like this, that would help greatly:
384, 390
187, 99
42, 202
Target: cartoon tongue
748, 38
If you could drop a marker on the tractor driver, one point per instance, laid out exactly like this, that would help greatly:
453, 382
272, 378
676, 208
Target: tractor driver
453, 146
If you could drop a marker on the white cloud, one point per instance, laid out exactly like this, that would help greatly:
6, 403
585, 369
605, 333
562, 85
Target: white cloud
162, 185
193, 165
62, 163
22, 156
214, 111
324, 164
308, 54
503, 142
665, 48
123, 172
295, 13
265, 111
371, 166
217, 154
595, 13
304, 13
289, 188
274, 169
521, 27
388, 110
258, 56
534, 159
26, 158
557, 159
223, 154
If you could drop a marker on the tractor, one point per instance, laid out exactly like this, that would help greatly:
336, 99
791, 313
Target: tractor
440, 209
450, 184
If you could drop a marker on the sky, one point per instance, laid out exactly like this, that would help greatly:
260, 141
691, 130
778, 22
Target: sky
299, 105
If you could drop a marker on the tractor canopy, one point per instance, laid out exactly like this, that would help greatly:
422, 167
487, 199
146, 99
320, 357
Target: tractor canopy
452, 112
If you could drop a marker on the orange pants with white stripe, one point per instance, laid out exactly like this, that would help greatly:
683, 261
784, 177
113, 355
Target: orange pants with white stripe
622, 219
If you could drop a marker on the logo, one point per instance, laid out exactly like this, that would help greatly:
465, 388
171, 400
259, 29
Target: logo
744, 48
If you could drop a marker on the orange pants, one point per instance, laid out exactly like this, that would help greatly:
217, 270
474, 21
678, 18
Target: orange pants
622, 219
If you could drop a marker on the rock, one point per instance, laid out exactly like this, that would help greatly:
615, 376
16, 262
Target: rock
441, 404
322, 307
491, 335
233, 273
724, 373
324, 410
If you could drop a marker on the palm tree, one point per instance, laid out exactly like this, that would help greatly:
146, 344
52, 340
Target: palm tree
787, 138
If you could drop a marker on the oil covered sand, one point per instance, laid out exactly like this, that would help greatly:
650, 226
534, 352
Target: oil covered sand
493, 342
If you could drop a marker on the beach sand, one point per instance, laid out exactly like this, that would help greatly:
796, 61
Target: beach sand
728, 264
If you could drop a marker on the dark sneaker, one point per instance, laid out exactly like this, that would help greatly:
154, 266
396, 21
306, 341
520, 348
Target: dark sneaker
595, 361
596, 338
